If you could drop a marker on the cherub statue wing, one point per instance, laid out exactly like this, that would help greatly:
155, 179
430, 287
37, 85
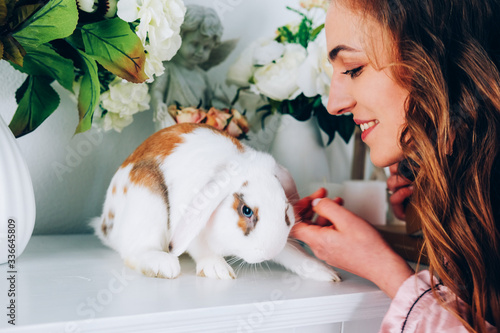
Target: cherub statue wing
219, 54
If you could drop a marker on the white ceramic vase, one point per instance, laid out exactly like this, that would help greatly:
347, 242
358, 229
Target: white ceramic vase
298, 147
17, 199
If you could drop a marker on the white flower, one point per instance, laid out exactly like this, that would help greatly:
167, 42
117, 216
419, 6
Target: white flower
278, 80
122, 101
128, 10
267, 51
310, 4
111, 121
242, 70
158, 30
315, 73
88, 6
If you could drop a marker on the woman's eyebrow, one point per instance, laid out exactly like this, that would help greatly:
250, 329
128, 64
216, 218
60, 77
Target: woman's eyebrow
335, 51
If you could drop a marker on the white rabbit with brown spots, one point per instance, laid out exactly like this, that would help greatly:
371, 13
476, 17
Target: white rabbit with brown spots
190, 188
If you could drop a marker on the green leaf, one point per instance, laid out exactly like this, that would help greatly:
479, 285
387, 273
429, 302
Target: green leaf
346, 127
57, 19
3, 12
317, 102
76, 40
327, 122
344, 124
263, 119
12, 50
285, 35
21, 13
266, 107
37, 103
21, 91
300, 108
316, 31
88, 98
116, 48
303, 33
44, 61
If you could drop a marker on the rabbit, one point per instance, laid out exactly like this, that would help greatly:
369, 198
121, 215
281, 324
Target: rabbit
191, 188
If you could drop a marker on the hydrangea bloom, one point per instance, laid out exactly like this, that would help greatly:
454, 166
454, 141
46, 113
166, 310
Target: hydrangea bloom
159, 29
121, 101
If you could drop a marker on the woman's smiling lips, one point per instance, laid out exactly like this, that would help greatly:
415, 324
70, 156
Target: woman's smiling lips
366, 126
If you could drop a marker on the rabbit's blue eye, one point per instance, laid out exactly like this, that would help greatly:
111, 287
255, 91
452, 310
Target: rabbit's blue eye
247, 212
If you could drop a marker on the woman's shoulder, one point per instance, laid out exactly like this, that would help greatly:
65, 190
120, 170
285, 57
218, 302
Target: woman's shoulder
415, 308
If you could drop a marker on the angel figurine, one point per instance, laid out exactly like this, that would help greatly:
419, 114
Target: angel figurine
185, 81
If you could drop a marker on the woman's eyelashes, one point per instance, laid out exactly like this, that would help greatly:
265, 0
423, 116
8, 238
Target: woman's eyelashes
355, 72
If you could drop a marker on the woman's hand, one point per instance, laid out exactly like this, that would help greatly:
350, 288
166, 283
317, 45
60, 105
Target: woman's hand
304, 209
400, 189
352, 244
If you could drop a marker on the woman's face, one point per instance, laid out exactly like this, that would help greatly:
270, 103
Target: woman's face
363, 88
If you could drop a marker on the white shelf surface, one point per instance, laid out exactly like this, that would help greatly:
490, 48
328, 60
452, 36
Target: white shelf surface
75, 284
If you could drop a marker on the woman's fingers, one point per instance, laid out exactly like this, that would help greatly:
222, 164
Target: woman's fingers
303, 206
400, 189
394, 182
393, 169
305, 232
332, 210
400, 196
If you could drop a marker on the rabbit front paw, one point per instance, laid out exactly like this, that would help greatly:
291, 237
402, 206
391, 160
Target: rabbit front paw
156, 264
215, 268
316, 270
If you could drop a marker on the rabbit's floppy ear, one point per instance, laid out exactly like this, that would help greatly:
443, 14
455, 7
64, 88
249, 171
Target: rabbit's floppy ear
286, 180
199, 210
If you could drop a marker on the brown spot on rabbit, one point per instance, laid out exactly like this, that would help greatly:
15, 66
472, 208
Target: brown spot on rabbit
245, 223
162, 143
105, 227
147, 173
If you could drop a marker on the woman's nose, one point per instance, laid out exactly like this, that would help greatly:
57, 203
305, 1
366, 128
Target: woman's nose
339, 99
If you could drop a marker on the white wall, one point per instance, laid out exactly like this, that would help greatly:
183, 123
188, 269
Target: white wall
71, 173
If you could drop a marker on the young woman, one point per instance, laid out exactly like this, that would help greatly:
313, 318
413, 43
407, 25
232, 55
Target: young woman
421, 78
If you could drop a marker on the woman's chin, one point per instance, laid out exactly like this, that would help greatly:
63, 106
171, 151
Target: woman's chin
383, 160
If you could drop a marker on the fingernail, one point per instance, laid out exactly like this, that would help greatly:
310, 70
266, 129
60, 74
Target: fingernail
339, 201
315, 201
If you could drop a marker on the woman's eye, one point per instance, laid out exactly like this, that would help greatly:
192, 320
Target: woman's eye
354, 72
247, 212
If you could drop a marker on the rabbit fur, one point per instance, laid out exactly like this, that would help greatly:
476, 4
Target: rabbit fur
190, 188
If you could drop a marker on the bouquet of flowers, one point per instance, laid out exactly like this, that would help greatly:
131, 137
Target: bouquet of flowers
227, 120
102, 51
292, 72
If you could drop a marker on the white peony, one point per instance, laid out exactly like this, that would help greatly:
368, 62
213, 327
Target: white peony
158, 30
242, 70
122, 101
267, 51
315, 73
278, 80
